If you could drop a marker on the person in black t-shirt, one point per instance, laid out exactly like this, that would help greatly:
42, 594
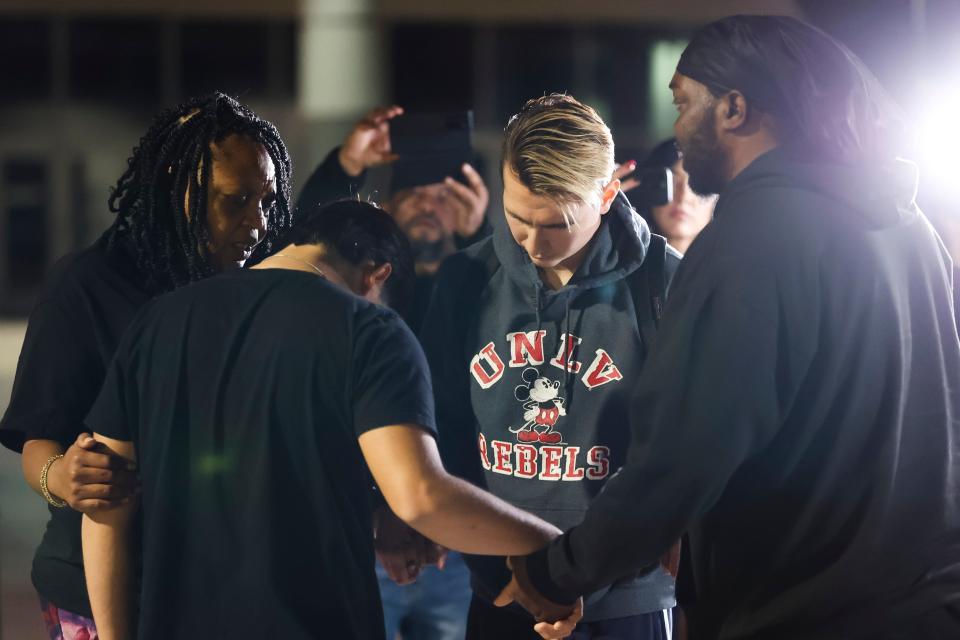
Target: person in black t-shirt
208, 183
438, 215
254, 404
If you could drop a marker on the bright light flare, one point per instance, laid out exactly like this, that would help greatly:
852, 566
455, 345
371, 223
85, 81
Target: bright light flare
938, 139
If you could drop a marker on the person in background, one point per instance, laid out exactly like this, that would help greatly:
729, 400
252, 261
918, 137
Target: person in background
257, 404
437, 213
682, 219
207, 188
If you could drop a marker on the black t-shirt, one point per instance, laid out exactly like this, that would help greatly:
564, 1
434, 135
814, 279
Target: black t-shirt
244, 395
90, 298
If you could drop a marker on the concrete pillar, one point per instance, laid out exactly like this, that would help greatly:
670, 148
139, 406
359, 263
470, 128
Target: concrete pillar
341, 74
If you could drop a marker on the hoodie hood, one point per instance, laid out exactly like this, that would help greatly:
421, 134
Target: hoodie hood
881, 196
616, 250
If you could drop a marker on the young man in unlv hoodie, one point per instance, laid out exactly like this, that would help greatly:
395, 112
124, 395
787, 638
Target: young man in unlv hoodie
535, 337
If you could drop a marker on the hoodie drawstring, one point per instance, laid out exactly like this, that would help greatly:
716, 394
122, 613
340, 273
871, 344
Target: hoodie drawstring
569, 356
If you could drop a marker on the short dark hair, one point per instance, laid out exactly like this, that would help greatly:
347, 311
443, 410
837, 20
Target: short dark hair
172, 156
359, 232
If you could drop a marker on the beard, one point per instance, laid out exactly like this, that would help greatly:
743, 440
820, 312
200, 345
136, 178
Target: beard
428, 245
704, 160
429, 251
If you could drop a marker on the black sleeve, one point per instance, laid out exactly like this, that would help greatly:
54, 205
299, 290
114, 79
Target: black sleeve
115, 411
694, 421
485, 229
329, 182
391, 382
58, 375
459, 281
671, 262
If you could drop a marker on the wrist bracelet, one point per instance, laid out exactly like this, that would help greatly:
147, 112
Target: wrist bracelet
44, 490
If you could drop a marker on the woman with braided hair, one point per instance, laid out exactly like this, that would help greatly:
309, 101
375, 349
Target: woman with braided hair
206, 189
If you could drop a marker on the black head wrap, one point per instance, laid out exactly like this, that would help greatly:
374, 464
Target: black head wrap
822, 95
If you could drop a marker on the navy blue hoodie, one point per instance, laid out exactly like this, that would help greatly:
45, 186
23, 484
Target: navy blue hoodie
533, 385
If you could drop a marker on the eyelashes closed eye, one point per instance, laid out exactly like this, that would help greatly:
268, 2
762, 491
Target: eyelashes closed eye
238, 200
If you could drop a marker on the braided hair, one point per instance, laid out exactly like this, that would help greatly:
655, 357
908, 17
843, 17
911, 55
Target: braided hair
173, 159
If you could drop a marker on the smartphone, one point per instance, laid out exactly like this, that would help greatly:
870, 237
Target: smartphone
656, 187
431, 146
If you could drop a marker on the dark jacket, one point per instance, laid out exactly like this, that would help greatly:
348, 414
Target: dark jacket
798, 416
327, 183
533, 385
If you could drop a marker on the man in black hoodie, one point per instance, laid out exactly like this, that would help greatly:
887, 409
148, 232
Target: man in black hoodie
798, 413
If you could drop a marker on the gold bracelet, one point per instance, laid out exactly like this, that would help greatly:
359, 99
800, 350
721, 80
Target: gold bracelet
49, 497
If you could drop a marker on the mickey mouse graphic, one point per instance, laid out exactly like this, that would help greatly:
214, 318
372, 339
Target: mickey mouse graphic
542, 407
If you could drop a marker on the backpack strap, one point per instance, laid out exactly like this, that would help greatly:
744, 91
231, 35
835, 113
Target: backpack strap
657, 275
473, 281
648, 284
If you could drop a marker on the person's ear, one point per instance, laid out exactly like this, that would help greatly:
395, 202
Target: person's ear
732, 111
373, 279
610, 192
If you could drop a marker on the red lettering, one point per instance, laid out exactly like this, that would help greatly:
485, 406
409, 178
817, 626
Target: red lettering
601, 371
501, 453
484, 459
599, 460
526, 347
526, 461
564, 358
488, 355
572, 471
550, 458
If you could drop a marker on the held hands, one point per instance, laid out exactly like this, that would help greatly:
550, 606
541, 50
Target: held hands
553, 620
368, 143
91, 478
401, 550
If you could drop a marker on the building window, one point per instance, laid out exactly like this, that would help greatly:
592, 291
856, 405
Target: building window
426, 81
245, 59
26, 54
115, 60
25, 189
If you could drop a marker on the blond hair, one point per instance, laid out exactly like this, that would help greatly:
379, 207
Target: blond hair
560, 148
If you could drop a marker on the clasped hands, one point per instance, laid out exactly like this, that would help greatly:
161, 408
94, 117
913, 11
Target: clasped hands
401, 550
403, 553
553, 620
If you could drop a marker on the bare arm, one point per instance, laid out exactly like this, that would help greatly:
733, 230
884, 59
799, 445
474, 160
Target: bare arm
88, 477
107, 561
406, 466
35, 455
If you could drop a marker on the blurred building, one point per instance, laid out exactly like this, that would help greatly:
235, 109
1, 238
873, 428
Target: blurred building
81, 79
